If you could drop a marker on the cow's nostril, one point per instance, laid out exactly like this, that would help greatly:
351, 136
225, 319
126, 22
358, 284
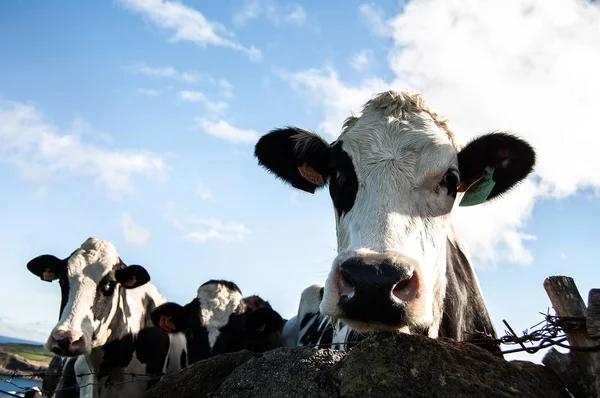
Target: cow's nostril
64, 344
346, 285
406, 289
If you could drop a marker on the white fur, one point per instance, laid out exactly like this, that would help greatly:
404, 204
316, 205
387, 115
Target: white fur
86, 268
217, 303
400, 150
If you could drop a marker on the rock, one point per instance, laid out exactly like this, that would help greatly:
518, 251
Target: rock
417, 366
398, 366
200, 378
284, 372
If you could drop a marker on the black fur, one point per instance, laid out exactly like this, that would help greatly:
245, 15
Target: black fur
343, 185
150, 345
228, 284
491, 150
254, 325
465, 313
39, 264
151, 348
138, 272
277, 152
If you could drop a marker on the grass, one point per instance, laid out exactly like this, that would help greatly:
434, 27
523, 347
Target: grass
27, 351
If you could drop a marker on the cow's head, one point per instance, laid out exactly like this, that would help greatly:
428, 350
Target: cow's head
264, 325
93, 279
252, 323
215, 303
393, 174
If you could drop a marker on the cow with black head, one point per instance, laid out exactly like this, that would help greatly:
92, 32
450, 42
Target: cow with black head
220, 320
395, 174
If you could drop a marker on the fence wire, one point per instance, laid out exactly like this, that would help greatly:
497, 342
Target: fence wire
547, 333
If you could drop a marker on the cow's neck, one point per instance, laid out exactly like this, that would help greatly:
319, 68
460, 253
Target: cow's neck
132, 313
463, 313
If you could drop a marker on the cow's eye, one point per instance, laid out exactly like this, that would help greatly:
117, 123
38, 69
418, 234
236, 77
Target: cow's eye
450, 181
107, 288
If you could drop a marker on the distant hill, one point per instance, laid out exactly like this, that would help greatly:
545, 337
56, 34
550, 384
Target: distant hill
23, 358
6, 339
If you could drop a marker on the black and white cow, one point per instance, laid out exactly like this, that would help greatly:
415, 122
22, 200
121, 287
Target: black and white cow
394, 175
105, 322
60, 380
310, 328
221, 320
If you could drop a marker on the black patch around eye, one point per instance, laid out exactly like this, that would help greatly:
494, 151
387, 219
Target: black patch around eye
451, 181
107, 288
343, 185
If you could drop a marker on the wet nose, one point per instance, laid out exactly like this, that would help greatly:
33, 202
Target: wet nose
361, 275
67, 341
375, 288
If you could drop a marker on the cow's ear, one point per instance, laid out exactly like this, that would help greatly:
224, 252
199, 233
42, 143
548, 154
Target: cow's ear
47, 267
264, 320
170, 317
492, 164
298, 157
132, 276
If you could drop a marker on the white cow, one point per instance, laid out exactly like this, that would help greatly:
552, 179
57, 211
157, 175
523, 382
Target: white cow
105, 322
394, 175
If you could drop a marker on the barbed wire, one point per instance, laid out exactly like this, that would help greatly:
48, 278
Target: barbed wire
550, 332
136, 377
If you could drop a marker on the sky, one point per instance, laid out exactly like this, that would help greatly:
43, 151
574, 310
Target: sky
135, 121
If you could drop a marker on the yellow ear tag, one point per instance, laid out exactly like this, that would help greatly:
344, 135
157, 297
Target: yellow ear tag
130, 282
479, 192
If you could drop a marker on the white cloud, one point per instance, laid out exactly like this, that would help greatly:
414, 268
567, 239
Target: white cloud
164, 71
215, 108
191, 96
213, 229
25, 329
201, 230
188, 24
222, 129
226, 87
275, 13
374, 19
337, 98
203, 192
525, 66
133, 233
147, 92
361, 59
41, 152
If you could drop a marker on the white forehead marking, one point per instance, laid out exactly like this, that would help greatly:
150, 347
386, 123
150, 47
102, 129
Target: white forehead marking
93, 259
398, 134
217, 303
401, 106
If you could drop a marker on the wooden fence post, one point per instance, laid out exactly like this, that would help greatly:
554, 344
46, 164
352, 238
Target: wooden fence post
579, 370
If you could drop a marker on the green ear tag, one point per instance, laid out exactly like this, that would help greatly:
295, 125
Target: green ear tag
480, 192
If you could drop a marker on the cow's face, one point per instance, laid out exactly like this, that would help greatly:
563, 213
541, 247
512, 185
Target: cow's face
219, 304
215, 302
394, 175
93, 279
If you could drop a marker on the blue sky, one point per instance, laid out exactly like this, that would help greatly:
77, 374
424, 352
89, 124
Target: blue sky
134, 121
